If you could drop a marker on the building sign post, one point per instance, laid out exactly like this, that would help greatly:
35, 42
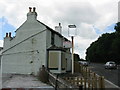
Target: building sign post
72, 32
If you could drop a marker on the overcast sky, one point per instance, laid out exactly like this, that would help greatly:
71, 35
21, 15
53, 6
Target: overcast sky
92, 17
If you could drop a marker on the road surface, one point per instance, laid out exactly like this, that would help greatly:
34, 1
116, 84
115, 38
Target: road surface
113, 75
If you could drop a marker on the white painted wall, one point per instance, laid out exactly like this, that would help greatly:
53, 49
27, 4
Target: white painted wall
25, 53
17, 59
48, 39
28, 29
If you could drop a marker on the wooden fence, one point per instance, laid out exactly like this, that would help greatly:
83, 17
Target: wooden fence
89, 79
60, 83
86, 83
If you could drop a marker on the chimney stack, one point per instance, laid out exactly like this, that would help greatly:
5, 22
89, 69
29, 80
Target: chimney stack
32, 15
58, 28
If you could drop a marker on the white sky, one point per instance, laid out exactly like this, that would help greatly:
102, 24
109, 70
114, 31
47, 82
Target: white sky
83, 13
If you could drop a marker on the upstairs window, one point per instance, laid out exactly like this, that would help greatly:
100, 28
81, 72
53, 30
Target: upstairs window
52, 38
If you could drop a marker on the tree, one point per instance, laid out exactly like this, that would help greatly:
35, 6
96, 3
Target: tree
76, 57
106, 48
117, 27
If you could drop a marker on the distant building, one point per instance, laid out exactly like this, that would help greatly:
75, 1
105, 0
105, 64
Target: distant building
34, 45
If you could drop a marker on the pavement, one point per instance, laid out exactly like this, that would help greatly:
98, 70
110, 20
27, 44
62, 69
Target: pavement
110, 85
22, 81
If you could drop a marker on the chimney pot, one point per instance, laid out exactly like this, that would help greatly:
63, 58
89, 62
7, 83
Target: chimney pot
9, 34
59, 24
30, 9
34, 9
6, 34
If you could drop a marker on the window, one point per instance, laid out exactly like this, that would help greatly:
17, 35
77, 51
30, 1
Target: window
52, 38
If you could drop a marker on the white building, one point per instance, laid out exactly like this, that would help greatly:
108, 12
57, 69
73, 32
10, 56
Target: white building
34, 45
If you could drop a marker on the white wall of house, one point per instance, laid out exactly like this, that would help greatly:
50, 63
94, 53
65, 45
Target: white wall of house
29, 28
27, 51
48, 39
18, 59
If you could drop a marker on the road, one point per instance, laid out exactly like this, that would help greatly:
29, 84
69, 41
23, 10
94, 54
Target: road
113, 75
